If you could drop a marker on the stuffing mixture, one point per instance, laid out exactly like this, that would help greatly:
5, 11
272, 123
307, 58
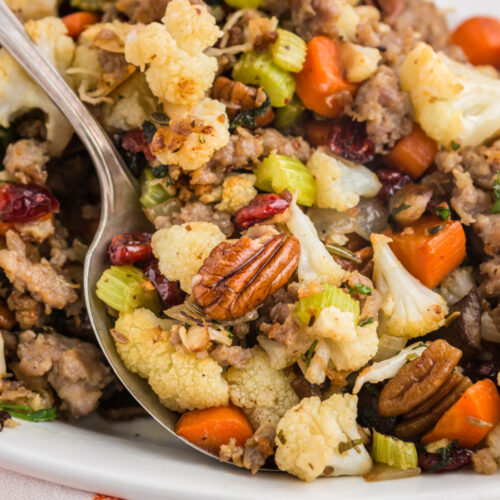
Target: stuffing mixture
318, 289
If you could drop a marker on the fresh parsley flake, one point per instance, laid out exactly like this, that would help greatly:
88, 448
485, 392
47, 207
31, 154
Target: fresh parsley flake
246, 118
366, 321
160, 118
455, 146
362, 289
442, 212
149, 130
306, 358
160, 171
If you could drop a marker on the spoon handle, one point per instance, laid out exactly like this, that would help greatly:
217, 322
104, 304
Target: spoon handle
113, 174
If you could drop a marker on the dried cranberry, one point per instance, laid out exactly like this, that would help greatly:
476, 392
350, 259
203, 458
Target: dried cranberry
130, 248
476, 370
135, 141
167, 290
450, 458
392, 181
25, 202
262, 207
350, 141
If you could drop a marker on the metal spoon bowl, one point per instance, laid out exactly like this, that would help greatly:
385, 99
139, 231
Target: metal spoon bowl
120, 212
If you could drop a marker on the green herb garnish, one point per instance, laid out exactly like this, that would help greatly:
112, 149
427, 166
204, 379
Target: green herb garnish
362, 289
445, 456
442, 212
149, 129
455, 146
161, 171
27, 413
160, 118
366, 321
435, 230
247, 118
306, 358
496, 190
347, 445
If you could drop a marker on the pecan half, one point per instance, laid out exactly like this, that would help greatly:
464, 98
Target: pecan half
237, 276
419, 379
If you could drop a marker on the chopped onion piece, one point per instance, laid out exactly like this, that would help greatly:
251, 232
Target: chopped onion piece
316, 371
389, 346
388, 368
489, 330
382, 472
3, 364
276, 351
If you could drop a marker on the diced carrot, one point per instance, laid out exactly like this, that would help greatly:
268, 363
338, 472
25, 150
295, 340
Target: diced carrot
430, 248
321, 80
413, 154
479, 38
317, 132
78, 21
471, 418
213, 427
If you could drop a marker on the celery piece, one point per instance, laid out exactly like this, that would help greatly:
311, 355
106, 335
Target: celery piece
331, 296
278, 172
289, 51
244, 4
152, 190
392, 451
126, 288
260, 69
290, 114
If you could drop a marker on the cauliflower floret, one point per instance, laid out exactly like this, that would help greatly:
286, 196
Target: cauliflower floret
409, 309
358, 61
141, 336
315, 263
264, 393
309, 434
132, 103
192, 135
340, 185
19, 93
237, 192
192, 26
452, 101
172, 74
185, 382
182, 249
332, 323
347, 20
34, 9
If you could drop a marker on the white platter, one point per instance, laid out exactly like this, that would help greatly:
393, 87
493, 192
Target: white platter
140, 461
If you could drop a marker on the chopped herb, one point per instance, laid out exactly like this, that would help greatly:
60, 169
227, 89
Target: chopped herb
496, 207
411, 356
347, 445
161, 171
247, 118
149, 130
201, 138
230, 335
362, 289
446, 456
496, 190
442, 212
435, 230
27, 413
306, 358
343, 253
366, 321
160, 118
455, 146
400, 208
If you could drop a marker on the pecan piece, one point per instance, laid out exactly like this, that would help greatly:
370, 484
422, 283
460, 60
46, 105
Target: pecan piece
237, 276
419, 379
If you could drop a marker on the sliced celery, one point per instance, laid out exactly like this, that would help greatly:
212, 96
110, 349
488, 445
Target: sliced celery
392, 451
278, 172
331, 296
126, 288
289, 51
260, 69
289, 114
152, 190
244, 4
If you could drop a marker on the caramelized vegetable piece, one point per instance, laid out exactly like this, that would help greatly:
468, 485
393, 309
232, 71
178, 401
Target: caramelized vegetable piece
213, 427
77, 22
479, 38
430, 249
413, 154
408, 204
419, 379
471, 418
321, 85
318, 132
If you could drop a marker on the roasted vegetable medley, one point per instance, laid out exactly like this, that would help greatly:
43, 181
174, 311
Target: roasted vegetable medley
319, 287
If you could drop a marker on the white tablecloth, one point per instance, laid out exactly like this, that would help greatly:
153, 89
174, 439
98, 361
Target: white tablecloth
15, 486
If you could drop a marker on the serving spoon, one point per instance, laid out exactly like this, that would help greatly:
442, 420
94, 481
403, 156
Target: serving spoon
120, 209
